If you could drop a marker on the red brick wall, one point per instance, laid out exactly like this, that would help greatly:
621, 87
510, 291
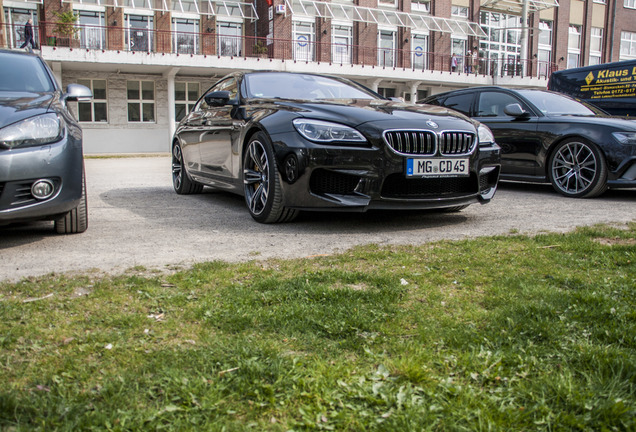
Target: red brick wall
115, 24
625, 21
208, 34
163, 25
440, 43
560, 34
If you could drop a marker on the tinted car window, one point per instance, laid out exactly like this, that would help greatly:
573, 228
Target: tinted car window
460, 102
555, 104
307, 87
23, 74
492, 104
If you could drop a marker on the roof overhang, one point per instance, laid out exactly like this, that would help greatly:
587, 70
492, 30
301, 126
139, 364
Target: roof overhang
515, 7
221, 8
388, 17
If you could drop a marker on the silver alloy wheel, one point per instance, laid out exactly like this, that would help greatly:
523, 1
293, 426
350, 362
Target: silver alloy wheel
256, 177
574, 168
177, 167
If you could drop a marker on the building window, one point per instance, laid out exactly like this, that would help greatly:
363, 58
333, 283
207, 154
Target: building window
600, 1
304, 36
139, 33
186, 95
574, 46
95, 110
386, 53
15, 19
459, 11
141, 101
544, 55
342, 40
92, 31
422, 6
502, 49
630, 4
387, 3
628, 45
419, 47
230, 38
596, 46
186, 36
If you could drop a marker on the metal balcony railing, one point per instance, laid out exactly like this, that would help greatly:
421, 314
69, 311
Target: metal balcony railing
91, 37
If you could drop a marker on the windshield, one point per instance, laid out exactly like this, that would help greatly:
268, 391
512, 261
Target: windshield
305, 87
23, 73
556, 104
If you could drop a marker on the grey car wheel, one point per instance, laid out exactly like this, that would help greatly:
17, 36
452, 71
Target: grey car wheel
262, 183
577, 169
180, 180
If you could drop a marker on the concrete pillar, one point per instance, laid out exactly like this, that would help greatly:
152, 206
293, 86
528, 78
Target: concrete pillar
171, 112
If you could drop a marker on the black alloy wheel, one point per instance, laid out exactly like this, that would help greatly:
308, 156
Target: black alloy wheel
180, 180
262, 183
577, 169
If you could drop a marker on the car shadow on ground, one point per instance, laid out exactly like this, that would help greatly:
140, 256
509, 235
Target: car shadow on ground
614, 195
214, 209
19, 234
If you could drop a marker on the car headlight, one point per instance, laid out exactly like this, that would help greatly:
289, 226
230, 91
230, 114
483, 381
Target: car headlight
38, 130
625, 137
326, 132
486, 138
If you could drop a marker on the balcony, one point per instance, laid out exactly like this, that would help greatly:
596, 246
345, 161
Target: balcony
98, 39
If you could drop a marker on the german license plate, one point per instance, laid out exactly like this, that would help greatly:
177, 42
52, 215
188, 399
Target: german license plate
436, 167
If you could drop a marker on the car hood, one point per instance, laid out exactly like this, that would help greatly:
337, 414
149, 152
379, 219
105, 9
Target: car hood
613, 122
356, 112
18, 106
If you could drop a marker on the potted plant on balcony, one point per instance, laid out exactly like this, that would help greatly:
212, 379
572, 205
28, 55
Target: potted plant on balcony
65, 27
260, 49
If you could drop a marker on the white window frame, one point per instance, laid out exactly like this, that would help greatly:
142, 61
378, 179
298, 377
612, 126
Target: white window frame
629, 4
419, 60
423, 6
596, 38
189, 103
628, 40
382, 60
194, 34
460, 11
574, 53
141, 101
340, 53
299, 51
93, 100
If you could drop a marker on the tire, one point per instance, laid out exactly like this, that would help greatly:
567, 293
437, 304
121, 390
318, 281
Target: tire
182, 184
262, 183
74, 221
577, 169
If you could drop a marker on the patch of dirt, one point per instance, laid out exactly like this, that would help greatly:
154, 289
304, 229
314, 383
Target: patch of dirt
615, 241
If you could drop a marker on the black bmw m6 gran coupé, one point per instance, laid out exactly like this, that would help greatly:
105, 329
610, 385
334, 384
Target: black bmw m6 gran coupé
289, 142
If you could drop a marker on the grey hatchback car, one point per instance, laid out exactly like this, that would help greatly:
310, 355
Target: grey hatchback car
41, 154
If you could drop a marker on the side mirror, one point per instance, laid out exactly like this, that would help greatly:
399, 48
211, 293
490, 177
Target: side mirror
77, 92
515, 110
217, 98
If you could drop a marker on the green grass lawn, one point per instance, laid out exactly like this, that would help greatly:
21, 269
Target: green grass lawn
504, 333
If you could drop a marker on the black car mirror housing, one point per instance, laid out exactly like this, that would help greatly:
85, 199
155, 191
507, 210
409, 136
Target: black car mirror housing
515, 110
218, 98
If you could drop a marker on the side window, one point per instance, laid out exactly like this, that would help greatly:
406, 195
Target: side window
460, 102
492, 104
434, 101
225, 85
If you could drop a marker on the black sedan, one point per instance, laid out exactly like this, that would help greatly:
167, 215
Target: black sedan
291, 142
549, 137
41, 156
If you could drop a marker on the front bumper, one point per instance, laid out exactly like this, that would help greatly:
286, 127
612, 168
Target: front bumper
61, 163
339, 178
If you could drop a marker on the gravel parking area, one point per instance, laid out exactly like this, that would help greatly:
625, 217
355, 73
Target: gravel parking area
136, 219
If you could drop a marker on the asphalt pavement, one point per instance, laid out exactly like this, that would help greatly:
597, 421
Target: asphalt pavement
137, 221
